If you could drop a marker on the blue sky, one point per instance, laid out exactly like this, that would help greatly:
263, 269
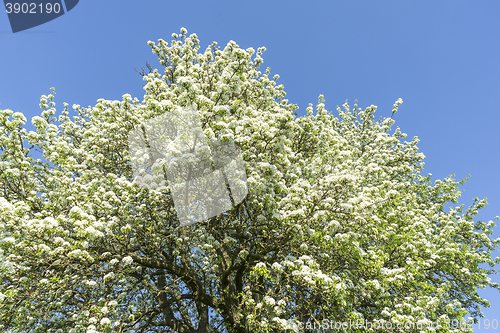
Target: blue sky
440, 57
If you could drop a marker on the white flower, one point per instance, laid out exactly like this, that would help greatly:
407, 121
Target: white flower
269, 300
75, 253
51, 222
127, 260
93, 232
243, 254
58, 240
113, 261
260, 264
37, 120
9, 240
105, 321
277, 267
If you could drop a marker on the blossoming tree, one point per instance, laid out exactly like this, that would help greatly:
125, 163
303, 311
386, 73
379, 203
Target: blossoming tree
338, 223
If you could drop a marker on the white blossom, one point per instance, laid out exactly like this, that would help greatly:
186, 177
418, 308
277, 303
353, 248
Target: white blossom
127, 260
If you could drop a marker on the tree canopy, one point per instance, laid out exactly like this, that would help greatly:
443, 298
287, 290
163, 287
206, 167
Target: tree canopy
338, 224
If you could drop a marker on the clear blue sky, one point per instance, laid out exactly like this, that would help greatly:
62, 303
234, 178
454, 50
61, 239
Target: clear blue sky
440, 57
